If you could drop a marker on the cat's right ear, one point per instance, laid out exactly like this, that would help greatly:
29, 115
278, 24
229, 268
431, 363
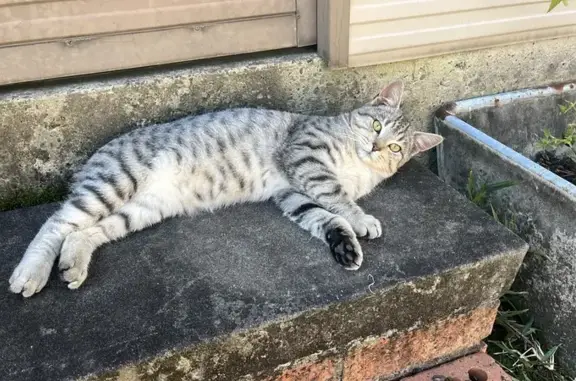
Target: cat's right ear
390, 95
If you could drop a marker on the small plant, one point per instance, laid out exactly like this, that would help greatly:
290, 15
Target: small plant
549, 141
515, 346
569, 106
480, 195
555, 3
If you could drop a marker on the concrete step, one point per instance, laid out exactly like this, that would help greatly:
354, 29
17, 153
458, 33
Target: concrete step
243, 294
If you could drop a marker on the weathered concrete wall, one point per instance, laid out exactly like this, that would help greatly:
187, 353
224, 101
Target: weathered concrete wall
543, 212
45, 133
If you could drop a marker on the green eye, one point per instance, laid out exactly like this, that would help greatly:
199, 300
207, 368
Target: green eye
377, 126
395, 147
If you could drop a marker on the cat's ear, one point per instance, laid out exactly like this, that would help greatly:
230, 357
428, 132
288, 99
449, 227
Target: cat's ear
423, 141
391, 95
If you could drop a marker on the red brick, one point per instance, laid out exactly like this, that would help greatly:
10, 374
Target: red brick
324, 370
479, 363
422, 347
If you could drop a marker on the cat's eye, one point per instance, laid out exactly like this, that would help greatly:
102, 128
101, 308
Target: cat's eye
395, 147
377, 126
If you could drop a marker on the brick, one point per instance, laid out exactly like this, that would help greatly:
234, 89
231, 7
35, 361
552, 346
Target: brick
324, 370
479, 366
385, 358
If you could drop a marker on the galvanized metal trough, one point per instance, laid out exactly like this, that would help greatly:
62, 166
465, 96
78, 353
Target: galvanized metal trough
496, 138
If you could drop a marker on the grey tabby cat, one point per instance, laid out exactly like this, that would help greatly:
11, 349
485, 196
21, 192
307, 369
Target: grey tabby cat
312, 167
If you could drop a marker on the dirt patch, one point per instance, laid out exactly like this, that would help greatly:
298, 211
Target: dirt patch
562, 165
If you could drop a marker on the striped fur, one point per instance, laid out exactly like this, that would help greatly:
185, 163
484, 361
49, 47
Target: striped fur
312, 167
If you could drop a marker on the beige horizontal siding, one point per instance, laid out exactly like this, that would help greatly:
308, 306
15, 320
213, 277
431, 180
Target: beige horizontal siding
5, 2
363, 11
24, 22
44, 39
385, 31
457, 46
114, 52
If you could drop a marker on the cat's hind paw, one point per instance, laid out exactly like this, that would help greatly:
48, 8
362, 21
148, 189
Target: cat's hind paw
30, 276
74, 259
345, 248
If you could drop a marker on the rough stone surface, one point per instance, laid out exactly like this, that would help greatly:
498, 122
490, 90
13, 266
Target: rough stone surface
244, 290
47, 132
544, 215
477, 367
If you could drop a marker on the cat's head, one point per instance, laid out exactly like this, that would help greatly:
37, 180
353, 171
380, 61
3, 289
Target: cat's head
384, 141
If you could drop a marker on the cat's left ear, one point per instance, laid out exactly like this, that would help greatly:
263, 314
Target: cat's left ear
391, 95
423, 141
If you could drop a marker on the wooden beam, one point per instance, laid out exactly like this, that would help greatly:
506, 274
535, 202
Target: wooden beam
306, 22
333, 31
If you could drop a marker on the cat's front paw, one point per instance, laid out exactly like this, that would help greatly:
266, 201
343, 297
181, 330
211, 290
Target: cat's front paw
367, 226
345, 248
30, 276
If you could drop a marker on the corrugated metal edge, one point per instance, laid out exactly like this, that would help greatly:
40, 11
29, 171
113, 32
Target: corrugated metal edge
447, 115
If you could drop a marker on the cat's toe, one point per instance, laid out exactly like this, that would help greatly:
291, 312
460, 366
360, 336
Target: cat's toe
368, 227
74, 260
30, 276
75, 277
345, 248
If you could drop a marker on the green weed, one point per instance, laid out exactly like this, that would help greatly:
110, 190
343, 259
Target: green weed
555, 3
514, 344
568, 138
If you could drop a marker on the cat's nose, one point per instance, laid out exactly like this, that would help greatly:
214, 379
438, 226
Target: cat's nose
375, 148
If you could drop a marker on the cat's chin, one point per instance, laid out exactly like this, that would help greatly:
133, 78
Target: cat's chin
372, 165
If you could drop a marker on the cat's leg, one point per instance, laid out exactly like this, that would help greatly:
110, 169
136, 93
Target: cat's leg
145, 209
364, 225
78, 212
323, 187
331, 228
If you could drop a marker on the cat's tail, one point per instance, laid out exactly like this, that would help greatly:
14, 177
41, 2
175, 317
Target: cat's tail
33, 271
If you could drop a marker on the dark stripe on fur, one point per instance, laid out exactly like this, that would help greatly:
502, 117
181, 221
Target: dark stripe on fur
64, 222
320, 178
178, 156
284, 195
79, 204
336, 192
303, 209
306, 160
98, 194
126, 170
313, 145
126, 218
97, 164
113, 182
140, 157
247, 160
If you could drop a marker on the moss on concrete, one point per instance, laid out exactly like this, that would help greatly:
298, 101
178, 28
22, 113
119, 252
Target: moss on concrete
30, 197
